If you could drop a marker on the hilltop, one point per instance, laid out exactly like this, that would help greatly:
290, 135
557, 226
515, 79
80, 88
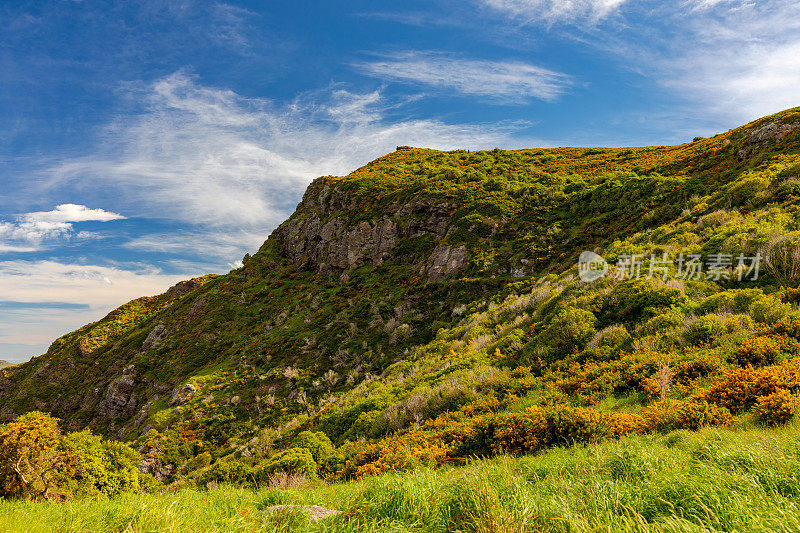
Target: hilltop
428, 308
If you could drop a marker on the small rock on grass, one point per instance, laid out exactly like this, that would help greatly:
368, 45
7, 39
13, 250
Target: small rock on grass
315, 511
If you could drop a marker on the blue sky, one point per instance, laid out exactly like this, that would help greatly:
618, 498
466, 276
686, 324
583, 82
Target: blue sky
148, 141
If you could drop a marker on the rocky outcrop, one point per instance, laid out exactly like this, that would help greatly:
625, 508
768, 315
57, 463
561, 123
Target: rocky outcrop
119, 398
161, 471
764, 135
446, 260
184, 287
771, 131
156, 335
320, 237
182, 395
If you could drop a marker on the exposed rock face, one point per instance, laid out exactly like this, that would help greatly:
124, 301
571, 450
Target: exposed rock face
119, 396
182, 395
155, 337
762, 136
446, 260
183, 287
770, 131
161, 471
317, 239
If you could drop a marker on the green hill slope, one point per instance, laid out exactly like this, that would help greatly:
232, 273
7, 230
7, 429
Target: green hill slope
427, 307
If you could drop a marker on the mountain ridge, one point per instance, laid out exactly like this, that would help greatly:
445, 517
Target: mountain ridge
378, 275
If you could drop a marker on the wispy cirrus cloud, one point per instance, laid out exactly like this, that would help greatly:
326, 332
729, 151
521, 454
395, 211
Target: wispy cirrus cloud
218, 162
743, 59
555, 11
729, 60
222, 247
508, 81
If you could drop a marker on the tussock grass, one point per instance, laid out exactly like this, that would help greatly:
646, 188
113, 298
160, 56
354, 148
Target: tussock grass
740, 479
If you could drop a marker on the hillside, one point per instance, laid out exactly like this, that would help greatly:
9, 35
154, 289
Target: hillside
427, 308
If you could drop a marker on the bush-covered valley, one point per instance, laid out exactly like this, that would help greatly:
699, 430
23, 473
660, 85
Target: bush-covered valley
427, 310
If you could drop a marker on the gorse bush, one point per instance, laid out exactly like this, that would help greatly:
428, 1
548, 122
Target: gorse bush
106, 466
776, 408
741, 388
30, 458
703, 330
759, 351
37, 462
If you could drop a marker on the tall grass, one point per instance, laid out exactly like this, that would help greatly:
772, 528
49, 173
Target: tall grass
745, 479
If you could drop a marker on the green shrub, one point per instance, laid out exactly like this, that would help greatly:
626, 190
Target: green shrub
746, 190
198, 462
108, 467
317, 443
768, 309
616, 337
298, 461
226, 472
666, 321
703, 330
787, 191
638, 299
743, 298
570, 330
149, 483
723, 301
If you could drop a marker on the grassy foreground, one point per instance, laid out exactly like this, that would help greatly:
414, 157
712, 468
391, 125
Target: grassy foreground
739, 479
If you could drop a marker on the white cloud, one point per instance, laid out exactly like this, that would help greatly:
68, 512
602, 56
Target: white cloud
737, 58
71, 213
30, 230
219, 161
94, 291
13, 248
555, 11
701, 5
93, 285
729, 60
505, 80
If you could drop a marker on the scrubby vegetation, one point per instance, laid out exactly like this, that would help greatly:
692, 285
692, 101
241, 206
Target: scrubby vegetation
38, 462
471, 334
740, 479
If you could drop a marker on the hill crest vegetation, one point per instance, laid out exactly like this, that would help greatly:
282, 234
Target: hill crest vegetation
427, 309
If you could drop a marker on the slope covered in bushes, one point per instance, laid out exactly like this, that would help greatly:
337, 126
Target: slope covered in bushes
428, 308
